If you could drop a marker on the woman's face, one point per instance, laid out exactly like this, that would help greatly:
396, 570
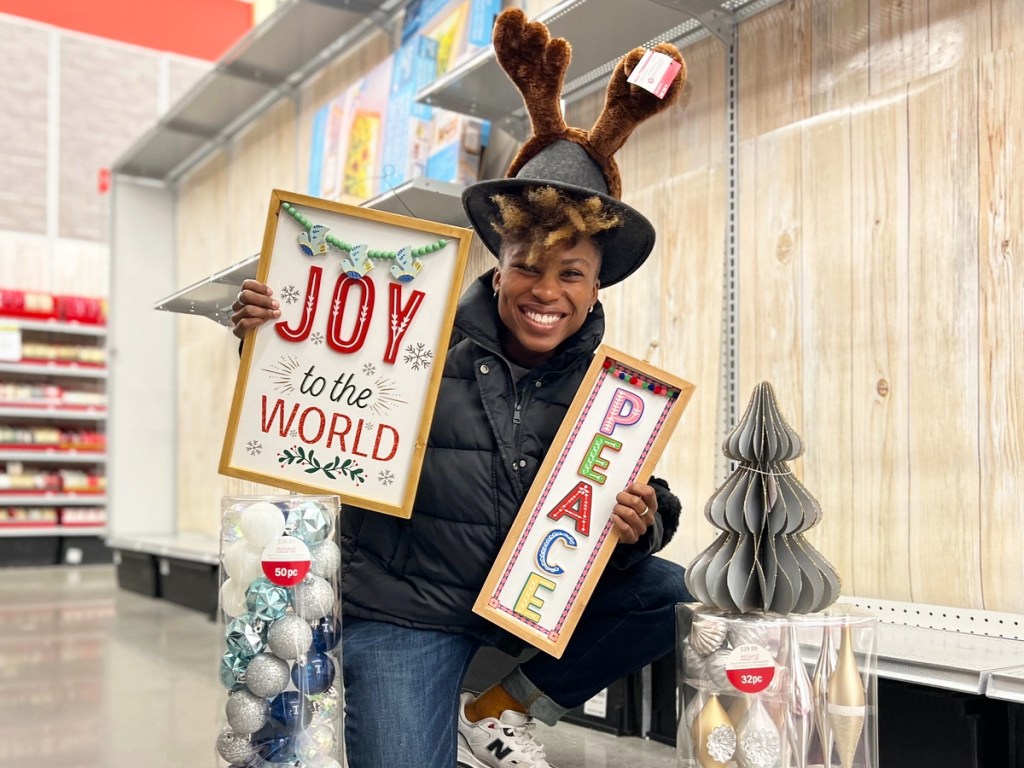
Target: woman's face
545, 303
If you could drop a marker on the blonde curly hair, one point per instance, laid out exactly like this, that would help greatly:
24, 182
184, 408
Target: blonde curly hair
543, 218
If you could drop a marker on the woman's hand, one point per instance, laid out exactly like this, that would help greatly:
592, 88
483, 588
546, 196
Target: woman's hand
253, 308
634, 512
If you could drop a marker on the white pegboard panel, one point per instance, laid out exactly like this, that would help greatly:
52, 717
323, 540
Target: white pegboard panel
962, 620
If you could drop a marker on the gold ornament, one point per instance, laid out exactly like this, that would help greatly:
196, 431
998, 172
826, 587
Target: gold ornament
846, 701
714, 738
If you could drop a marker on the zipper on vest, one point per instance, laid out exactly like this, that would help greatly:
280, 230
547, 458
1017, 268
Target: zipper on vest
516, 413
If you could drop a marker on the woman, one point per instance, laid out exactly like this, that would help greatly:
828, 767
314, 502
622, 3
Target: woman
525, 334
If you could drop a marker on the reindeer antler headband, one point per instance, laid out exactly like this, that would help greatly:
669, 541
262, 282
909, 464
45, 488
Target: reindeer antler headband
576, 161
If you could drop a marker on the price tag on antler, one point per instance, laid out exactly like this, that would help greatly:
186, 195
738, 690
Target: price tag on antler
655, 73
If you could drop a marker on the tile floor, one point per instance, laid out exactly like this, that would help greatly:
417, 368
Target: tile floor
92, 676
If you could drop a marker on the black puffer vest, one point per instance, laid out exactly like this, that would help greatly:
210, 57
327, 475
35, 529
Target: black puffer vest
488, 438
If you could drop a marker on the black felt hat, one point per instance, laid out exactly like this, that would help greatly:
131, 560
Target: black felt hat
577, 162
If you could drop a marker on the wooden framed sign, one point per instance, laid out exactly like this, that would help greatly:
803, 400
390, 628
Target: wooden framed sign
337, 396
612, 435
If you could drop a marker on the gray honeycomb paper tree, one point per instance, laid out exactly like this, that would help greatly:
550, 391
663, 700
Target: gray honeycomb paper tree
761, 561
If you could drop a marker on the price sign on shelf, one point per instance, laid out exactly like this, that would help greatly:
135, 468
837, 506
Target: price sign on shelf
750, 668
10, 343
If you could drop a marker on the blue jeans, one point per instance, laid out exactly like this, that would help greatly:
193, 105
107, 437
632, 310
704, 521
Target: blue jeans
402, 685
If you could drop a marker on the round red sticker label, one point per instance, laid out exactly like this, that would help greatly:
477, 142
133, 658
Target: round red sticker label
286, 561
750, 668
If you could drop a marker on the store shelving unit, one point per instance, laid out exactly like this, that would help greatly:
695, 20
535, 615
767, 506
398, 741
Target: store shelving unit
18, 540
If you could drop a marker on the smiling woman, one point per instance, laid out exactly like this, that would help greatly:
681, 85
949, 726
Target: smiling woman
542, 301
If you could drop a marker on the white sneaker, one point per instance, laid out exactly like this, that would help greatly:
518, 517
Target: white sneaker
498, 743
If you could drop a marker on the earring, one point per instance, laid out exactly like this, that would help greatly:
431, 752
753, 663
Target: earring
591, 309
495, 294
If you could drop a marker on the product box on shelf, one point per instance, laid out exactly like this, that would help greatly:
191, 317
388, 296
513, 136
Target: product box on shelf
769, 691
408, 129
456, 147
279, 599
26, 304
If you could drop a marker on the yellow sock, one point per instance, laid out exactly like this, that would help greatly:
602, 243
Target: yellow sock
491, 703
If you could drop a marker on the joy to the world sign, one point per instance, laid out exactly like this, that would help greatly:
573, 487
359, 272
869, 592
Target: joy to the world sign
337, 395
614, 432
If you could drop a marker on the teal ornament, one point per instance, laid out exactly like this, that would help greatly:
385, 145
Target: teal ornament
266, 600
244, 636
232, 670
309, 522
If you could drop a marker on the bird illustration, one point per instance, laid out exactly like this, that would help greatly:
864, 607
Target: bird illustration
358, 262
406, 267
314, 242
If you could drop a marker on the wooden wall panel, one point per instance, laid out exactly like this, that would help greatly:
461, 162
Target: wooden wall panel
770, 267
826, 277
898, 43
1001, 289
880, 466
943, 232
1007, 24
775, 68
691, 257
839, 67
958, 32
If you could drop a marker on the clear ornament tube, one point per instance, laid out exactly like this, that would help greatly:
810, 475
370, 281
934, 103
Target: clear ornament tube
281, 617
796, 691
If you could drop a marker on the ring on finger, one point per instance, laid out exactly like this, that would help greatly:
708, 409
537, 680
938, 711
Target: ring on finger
240, 301
646, 510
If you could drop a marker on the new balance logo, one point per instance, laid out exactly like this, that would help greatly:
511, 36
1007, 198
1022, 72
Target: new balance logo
499, 749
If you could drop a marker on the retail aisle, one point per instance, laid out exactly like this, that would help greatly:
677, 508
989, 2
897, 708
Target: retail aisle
95, 677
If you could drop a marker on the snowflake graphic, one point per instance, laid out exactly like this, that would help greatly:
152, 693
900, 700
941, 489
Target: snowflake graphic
418, 357
386, 477
289, 294
368, 425
293, 433
316, 337
254, 448
369, 369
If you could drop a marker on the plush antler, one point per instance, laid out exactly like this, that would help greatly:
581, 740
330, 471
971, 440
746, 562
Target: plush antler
536, 63
625, 107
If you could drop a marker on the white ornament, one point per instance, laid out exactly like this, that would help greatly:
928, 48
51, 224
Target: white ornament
262, 522
325, 560
313, 742
232, 598
243, 562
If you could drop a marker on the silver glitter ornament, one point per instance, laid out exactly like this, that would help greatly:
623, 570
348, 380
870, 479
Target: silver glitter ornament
309, 521
235, 748
246, 713
325, 560
244, 636
266, 600
289, 637
313, 598
267, 675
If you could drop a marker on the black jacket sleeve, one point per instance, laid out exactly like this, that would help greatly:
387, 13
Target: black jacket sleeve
666, 522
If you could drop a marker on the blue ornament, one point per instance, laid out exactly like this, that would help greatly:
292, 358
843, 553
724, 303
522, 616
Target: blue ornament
274, 743
232, 670
309, 522
326, 633
266, 600
244, 636
315, 676
291, 710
